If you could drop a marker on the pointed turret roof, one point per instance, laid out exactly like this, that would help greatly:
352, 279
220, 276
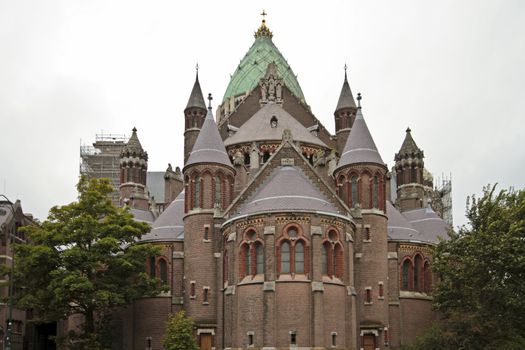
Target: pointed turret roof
360, 146
196, 99
409, 147
346, 99
209, 147
133, 147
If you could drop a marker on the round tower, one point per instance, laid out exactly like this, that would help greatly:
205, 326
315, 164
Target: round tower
208, 179
344, 115
409, 169
360, 178
194, 115
133, 170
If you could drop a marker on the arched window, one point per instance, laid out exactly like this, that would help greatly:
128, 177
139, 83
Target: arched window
337, 261
375, 192
273, 122
249, 260
247, 158
163, 270
413, 174
299, 257
266, 156
285, 257
353, 184
244, 261
417, 273
428, 277
197, 192
405, 275
218, 191
259, 258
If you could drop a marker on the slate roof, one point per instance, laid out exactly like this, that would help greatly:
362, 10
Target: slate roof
346, 99
259, 128
142, 215
155, 185
287, 189
360, 146
428, 223
196, 98
399, 228
254, 64
169, 225
209, 147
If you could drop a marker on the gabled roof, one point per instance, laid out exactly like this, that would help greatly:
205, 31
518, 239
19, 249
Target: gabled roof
428, 223
169, 225
399, 228
259, 128
287, 189
409, 148
196, 98
254, 64
209, 147
346, 99
360, 146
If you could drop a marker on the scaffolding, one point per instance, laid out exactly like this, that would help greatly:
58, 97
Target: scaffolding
102, 160
445, 191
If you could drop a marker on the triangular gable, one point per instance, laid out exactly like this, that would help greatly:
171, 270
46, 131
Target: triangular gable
286, 153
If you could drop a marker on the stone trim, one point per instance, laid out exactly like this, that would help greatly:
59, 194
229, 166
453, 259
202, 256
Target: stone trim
269, 230
269, 286
316, 230
178, 255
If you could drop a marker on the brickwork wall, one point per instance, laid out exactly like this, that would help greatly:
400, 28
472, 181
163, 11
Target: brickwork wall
150, 316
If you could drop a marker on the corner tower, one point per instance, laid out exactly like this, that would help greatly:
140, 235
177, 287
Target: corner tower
208, 178
194, 115
360, 179
409, 175
344, 115
133, 169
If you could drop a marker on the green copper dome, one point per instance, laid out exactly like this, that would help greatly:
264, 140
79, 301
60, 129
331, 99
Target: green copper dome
254, 64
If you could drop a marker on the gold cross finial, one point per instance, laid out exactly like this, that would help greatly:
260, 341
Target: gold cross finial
264, 15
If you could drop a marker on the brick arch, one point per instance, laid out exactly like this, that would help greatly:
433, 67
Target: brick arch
351, 199
206, 189
341, 187
427, 276
418, 263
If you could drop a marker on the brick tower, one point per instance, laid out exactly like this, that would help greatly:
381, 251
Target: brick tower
133, 169
344, 115
208, 177
409, 175
194, 115
361, 177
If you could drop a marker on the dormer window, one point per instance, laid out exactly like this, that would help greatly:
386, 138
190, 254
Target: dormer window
273, 122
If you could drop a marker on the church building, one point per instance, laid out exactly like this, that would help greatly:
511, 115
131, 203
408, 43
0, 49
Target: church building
278, 233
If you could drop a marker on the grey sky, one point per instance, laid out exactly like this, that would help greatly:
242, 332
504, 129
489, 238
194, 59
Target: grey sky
451, 70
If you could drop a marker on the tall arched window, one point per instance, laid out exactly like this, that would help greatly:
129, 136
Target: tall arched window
163, 270
427, 274
417, 273
353, 184
375, 192
218, 191
245, 261
259, 258
197, 192
413, 174
152, 267
405, 275
285, 257
338, 261
299, 257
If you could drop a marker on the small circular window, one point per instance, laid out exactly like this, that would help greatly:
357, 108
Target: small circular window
2, 212
292, 232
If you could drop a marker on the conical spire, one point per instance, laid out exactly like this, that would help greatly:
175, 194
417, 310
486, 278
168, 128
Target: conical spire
346, 99
196, 99
209, 147
409, 148
360, 146
133, 147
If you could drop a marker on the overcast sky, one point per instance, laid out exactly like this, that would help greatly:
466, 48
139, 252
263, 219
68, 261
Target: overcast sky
454, 71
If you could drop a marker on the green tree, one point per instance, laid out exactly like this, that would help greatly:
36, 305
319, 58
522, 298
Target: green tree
481, 294
179, 333
84, 259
